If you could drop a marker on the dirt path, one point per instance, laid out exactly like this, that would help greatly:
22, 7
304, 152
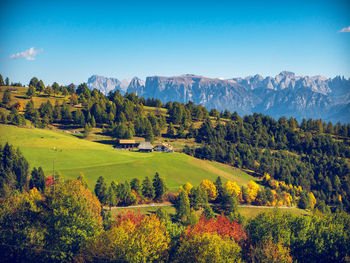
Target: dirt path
159, 205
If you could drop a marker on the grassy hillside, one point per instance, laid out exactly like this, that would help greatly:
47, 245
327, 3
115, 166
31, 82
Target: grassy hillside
73, 155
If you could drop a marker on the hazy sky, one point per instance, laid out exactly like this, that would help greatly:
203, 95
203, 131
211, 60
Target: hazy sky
68, 42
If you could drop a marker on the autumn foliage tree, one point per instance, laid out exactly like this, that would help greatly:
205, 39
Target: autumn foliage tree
252, 191
210, 188
134, 238
76, 218
211, 240
221, 226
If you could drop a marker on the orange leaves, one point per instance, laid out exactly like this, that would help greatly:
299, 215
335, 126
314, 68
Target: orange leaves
19, 106
222, 226
48, 181
130, 216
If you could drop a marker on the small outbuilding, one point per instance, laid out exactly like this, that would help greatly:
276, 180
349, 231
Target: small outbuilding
126, 144
164, 147
145, 147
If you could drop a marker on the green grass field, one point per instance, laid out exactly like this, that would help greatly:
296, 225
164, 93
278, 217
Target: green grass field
248, 212
73, 155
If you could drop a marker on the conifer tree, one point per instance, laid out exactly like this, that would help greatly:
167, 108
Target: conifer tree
2, 83
38, 179
41, 86
31, 91
183, 210
159, 187
147, 188
135, 185
219, 188
125, 195
101, 190
6, 99
111, 197
171, 130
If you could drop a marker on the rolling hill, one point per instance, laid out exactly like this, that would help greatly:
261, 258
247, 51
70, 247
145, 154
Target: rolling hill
72, 155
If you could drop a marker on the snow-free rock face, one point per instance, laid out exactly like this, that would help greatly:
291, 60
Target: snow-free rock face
212, 93
283, 95
105, 85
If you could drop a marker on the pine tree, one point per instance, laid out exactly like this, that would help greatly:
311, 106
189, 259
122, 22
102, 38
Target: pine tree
6, 99
31, 91
2, 83
87, 130
219, 188
198, 198
149, 132
41, 86
171, 130
38, 179
229, 202
7, 82
93, 122
111, 197
182, 206
101, 190
125, 195
147, 188
135, 185
159, 187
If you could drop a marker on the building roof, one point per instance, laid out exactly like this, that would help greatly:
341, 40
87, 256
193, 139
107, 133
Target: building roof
145, 146
125, 141
165, 145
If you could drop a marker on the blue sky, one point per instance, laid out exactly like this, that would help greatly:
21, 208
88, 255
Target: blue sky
74, 39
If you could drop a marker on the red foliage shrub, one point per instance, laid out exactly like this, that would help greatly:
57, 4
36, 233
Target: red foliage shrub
48, 181
221, 226
130, 216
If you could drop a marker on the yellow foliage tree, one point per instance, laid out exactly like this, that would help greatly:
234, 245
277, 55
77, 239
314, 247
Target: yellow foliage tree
266, 177
232, 187
287, 199
131, 241
19, 106
187, 187
313, 200
210, 188
252, 191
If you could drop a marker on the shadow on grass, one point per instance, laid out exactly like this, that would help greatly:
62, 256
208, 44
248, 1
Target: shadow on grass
108, 142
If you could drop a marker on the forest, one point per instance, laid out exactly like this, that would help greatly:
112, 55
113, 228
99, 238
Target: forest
55, 220
45, 218
312, 154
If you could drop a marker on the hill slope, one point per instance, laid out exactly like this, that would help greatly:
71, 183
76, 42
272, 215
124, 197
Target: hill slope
73, 155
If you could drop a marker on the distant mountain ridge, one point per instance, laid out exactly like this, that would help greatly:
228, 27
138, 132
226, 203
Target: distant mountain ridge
283, 95
105, 85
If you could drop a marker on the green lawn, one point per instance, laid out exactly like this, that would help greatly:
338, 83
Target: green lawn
72, 155
248, 212
143, 210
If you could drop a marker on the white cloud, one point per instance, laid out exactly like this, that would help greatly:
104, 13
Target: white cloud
27, 54
345, 30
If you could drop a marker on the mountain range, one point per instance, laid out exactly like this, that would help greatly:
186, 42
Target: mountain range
283, 95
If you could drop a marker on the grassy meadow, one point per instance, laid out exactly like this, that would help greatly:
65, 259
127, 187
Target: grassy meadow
248, 212
72, 155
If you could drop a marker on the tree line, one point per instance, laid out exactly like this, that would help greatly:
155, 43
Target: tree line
63, 221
